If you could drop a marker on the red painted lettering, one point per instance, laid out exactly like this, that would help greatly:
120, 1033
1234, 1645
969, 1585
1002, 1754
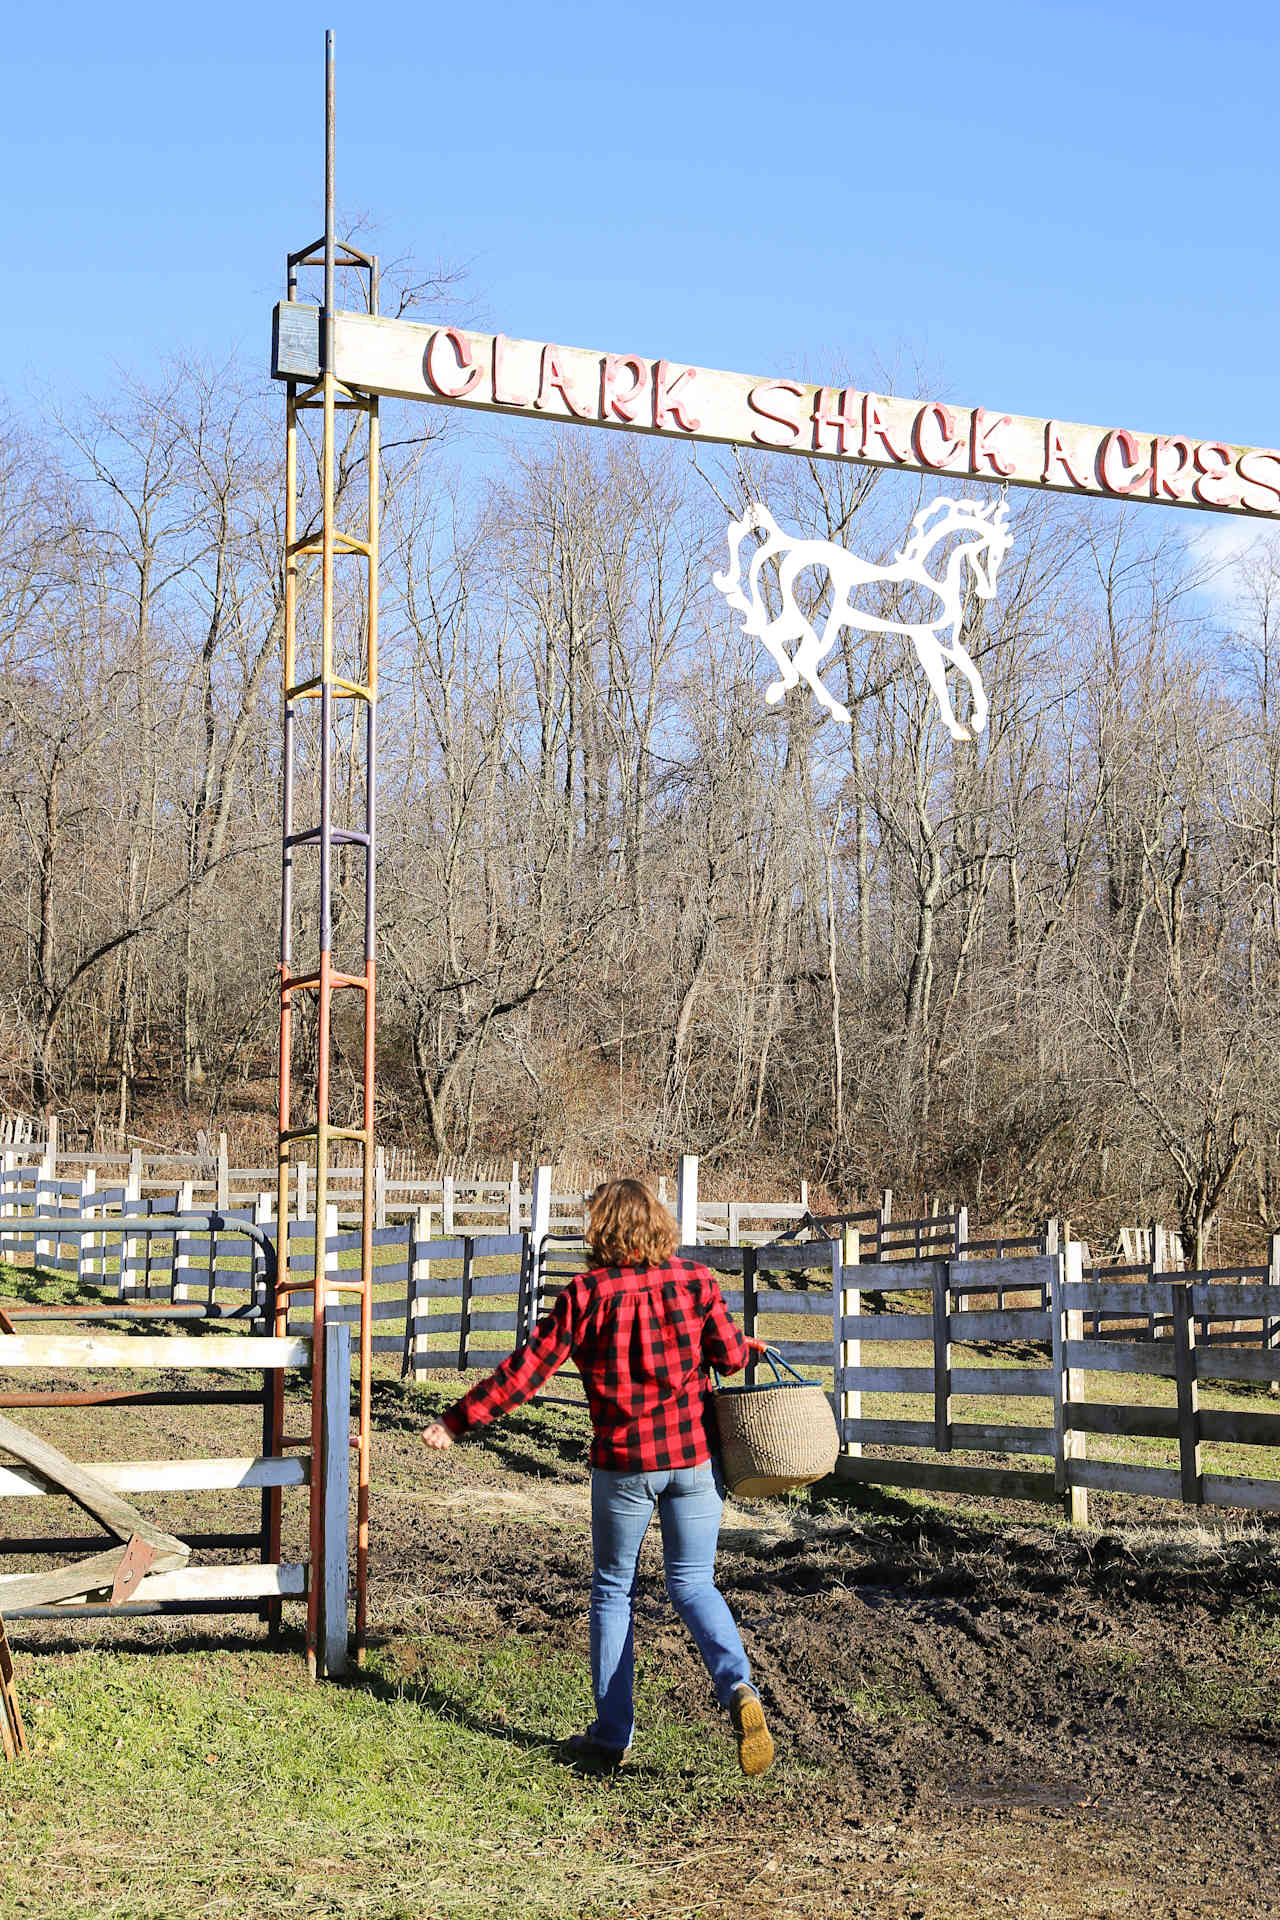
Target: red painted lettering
1119, 463
669, 407
837, 410
757, 401
618, 402
937, 443
1167, 479
1215, 468
984, 430
876, 427
444, 377
553, 381
1250, 472
1056, 456
501, 375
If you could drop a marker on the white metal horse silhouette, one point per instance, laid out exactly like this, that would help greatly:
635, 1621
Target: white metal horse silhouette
988, 542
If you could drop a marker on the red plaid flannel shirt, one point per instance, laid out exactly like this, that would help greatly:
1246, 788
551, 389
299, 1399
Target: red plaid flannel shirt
642, 1338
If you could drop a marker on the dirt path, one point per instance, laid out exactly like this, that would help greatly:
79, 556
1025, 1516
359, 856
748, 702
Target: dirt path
980, 1717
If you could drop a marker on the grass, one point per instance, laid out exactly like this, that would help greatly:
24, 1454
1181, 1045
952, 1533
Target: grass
1223, 1698
184, 1784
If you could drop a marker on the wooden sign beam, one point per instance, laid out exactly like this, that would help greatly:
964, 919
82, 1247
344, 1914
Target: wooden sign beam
534, 379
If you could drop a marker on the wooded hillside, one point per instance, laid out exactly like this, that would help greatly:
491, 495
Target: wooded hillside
623, 904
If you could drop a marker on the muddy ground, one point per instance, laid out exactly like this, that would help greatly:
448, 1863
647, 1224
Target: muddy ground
981, 1713
978, 1713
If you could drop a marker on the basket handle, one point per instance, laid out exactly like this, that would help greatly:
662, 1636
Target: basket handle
776, 1361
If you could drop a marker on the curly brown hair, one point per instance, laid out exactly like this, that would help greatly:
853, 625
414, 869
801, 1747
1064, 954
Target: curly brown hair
627, 1226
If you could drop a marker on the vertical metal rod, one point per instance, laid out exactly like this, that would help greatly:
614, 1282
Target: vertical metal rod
330, 126
319, 1269
365, 1423
325, 979
285, 1102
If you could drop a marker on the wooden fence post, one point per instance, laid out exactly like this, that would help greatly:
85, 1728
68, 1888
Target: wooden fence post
962, 1234
513, 1201
539, 1228
379, 1186
330, 1235
848, 1353
335, 1489
1068, 1383
132, 1201
48, 1173
181, 1259
84, 1255
687, 1200
1052, 1241
301, 1203
223, 1189
264, 1215
465, 1302
415, 1332
446, 1206
1271, 1328
1184, 1359
942, 1302
13, 1738
750, 1261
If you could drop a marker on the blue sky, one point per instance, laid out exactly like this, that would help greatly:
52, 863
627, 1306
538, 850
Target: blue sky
1050, 208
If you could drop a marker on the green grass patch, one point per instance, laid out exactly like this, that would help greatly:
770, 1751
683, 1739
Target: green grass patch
1232, 1695
431, 1786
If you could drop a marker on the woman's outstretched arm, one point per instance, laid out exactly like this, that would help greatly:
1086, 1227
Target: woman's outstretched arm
516, 1380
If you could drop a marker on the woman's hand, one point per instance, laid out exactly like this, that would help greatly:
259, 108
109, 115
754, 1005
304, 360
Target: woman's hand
437, 1435
753, 1344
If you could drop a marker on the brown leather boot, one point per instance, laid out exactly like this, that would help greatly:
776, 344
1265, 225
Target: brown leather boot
755, 1742
584, 1751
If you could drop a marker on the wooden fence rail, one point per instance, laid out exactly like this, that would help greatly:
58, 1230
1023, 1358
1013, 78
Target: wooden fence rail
69, 1356
934, 1351
974, 1365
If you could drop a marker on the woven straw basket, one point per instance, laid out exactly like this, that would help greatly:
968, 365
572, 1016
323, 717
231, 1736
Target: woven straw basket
777, 1435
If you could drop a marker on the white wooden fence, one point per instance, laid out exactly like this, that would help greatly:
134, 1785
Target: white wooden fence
922, 1352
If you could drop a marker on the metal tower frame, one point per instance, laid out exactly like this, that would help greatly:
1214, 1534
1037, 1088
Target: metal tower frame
316, 974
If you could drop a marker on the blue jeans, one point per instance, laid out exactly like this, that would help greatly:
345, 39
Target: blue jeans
688, 1500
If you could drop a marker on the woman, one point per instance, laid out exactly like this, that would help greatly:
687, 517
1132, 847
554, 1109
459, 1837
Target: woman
642, 1327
